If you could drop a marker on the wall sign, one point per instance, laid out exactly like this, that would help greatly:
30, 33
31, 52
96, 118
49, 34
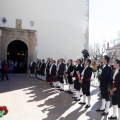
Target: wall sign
4, 20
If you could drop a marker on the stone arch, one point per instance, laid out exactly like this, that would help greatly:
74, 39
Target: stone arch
9, 40
26, 36
13, 39
17, 51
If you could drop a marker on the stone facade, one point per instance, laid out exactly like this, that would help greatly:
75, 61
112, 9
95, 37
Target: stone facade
27, 36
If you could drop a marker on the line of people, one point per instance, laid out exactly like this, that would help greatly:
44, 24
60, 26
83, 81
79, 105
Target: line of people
79, 78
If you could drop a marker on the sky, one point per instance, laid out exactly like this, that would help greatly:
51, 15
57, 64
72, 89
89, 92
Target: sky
104, 21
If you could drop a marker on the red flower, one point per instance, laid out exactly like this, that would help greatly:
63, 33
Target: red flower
114, 84
6, 110
1, 108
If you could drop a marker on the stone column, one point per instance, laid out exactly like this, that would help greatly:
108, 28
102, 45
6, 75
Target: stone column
86, 44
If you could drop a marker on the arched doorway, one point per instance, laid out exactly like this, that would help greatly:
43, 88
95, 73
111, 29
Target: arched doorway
17, 54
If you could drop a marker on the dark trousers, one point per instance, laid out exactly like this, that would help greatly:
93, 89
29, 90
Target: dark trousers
60, 78
86, 88
4, 74
70, 81
77, 85
104, 92
15, 69
65, 77
116, 99
32, 71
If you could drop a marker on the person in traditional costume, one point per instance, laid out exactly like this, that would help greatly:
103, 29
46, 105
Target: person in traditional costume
115, 90
105, 80
85, 82
38, 63
48, 64
42, 70
60, 73
76, 74
52, 72
58, 82
69, 77
32, 67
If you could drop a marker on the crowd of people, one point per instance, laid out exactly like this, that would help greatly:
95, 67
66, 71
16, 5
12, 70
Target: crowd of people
4, 70
12, 67
77, 75
78, 78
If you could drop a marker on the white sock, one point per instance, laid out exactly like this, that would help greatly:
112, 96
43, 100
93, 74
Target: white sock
62, 86
84, 98
59, 84
40, 77
118, 113
69, 87
114, 110
32, 75
53, 83
89, 98
107, 106
103, 104
78, 95
81, 93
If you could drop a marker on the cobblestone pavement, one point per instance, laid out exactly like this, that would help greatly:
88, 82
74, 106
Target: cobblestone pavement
33, 99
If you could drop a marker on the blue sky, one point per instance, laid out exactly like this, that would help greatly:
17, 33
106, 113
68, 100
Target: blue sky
104, 18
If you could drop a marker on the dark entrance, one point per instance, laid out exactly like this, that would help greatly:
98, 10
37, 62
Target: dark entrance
17, 54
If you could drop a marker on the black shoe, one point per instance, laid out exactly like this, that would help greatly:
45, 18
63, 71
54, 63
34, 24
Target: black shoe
67, 91
104, 113
112, 117
100, 110
87, 106
70, 92
82, 103
61, 90
76, 99
57, 86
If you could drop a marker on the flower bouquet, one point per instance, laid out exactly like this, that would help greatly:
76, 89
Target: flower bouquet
112, 88
3, 110
99, 73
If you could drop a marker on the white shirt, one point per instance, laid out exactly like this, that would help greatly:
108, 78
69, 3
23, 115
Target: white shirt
15, 64
115, 73
73, 72
83, 71
67, 67
58, 66
38, 64
104, 66
31, 63
47, 63
51, 68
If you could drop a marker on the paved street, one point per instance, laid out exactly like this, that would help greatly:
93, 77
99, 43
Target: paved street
32, 99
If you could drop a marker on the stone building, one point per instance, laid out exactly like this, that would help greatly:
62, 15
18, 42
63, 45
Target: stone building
43, 29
